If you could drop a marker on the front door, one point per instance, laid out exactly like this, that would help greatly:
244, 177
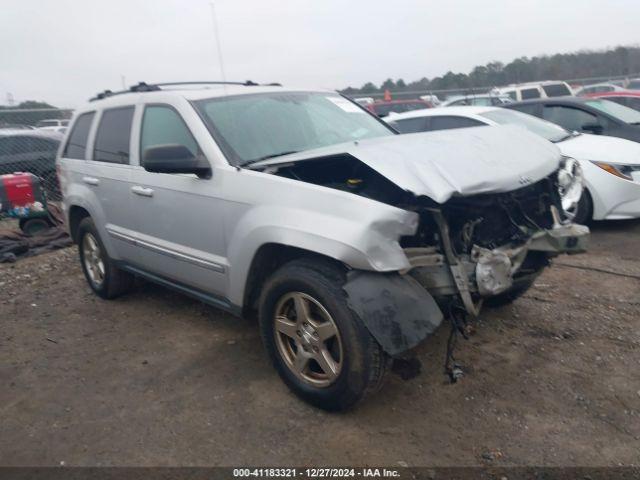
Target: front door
180, 220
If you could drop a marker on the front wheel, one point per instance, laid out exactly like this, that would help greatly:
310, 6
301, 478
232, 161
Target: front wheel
583, 213
319, 346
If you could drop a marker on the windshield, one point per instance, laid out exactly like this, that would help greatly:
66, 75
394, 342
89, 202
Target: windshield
626, 114
254, 127
543, 128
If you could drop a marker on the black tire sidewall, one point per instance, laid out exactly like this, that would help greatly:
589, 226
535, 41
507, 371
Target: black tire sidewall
356, 340
584, 214
87, 226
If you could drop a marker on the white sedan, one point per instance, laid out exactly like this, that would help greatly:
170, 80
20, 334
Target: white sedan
611, 166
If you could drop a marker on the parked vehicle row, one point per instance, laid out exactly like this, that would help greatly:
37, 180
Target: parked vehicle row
610, 166
587, 115
526, 91
351, 242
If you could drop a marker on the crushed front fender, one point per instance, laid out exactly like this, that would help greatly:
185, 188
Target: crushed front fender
397, 311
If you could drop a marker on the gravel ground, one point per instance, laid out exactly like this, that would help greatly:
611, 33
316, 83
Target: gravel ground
155, 378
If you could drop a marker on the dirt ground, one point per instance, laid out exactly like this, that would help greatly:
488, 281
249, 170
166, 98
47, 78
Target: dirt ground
156, 378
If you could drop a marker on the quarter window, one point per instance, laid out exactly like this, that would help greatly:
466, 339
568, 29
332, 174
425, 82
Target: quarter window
114, 136
162, 125
77, 143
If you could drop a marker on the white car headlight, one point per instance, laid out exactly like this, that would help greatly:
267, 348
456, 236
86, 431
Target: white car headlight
570, 185
622, 171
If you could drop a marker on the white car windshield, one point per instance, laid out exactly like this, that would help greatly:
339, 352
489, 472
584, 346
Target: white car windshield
545, 129
255, 127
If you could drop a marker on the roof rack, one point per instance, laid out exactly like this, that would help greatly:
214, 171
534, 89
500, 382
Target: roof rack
153, 87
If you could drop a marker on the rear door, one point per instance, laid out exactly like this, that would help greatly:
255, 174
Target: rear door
180, 218
102, 170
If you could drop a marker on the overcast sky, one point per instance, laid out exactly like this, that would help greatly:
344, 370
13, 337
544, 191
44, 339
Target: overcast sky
63, 51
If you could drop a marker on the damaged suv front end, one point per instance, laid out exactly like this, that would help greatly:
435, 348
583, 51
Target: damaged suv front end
407, 230
488, 219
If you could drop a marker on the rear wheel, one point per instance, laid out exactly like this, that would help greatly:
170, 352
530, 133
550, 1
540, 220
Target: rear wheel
104, 278
320, 348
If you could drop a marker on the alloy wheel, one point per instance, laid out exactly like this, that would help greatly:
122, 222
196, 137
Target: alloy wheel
308, 339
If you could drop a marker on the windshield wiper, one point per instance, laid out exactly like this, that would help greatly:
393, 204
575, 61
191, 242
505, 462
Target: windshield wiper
267, 157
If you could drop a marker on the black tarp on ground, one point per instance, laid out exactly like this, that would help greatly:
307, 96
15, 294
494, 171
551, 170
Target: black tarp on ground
14, 243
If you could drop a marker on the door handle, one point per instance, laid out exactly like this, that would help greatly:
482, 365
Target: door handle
90, 180
142, 191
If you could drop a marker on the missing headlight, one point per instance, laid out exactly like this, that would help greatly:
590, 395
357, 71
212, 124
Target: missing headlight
570, 182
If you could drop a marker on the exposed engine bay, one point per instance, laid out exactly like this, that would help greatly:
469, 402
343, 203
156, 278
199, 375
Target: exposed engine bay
470, 247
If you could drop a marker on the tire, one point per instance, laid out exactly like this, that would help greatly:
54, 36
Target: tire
359, 364
509, 296
33, 226
107, 281
584, 213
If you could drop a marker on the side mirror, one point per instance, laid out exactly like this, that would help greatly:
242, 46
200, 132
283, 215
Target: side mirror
592, 128
174, 158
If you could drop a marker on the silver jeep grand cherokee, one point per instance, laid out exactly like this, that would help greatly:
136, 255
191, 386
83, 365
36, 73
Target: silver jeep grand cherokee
348, 240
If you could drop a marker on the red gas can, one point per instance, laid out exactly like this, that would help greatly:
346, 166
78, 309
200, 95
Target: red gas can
22, 195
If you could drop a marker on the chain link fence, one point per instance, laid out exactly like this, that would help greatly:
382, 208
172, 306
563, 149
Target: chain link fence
29, 140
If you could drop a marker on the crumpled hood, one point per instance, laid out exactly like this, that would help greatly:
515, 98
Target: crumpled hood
441, 164
600, 148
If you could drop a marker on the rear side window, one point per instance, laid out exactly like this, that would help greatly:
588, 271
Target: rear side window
77, 143
162, 125
445, 123
527, 93
556, 90
411, 125
114, 136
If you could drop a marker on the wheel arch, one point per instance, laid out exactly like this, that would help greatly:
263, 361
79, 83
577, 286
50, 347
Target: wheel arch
76, 215
267, 259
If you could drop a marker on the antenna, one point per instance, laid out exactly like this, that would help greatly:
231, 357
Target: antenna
217, 37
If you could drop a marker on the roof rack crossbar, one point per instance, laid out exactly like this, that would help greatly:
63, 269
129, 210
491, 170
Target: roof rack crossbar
152, 87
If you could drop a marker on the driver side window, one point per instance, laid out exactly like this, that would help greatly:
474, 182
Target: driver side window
568, 117
162, 125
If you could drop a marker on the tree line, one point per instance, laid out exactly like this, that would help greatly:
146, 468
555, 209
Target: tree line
619, 61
